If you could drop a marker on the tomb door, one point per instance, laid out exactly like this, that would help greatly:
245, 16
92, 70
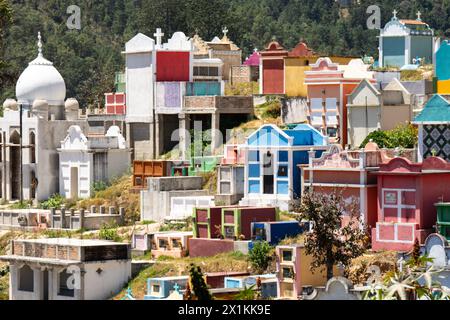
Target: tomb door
14, 161
45, 286
268, 172
74, 182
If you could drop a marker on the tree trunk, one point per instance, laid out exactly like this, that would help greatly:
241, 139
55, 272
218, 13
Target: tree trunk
329, 271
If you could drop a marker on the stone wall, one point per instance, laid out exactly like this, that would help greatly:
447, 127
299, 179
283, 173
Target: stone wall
294, 110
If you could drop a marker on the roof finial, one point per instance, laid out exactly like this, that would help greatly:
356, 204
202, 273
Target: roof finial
395, 14
158, 36
225, 31
419, 14
39, 44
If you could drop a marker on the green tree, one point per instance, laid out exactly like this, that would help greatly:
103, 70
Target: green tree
329, 243
199, 287
260, 256
248, 293
5, 21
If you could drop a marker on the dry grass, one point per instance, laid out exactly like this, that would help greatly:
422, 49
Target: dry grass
386, 260
117, 195
226, 262
242, 89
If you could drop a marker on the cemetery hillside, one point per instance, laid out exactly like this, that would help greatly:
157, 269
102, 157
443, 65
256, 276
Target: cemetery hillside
89, 59
226, 150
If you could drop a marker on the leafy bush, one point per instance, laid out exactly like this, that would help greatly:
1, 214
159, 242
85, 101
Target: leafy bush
55, 201
58, 233
21, 205
260, 256
403, 136
109, 233
146, 222
98, 186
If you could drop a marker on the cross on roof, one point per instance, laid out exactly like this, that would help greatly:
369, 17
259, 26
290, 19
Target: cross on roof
419, 14
158, 36
395, 13
225, 31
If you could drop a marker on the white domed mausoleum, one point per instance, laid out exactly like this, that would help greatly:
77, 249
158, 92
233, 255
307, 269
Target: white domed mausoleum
40, 93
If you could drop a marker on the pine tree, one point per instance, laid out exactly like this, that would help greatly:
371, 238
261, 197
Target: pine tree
199, 286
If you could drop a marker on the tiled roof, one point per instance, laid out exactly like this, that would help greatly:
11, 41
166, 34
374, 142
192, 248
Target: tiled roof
437, 110
407, 21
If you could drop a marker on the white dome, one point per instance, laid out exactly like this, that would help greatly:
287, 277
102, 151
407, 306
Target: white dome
40, 80
10, 104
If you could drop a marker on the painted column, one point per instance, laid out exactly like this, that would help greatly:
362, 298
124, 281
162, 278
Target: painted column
261, 77
184, 135
407, 49
380, 50
420, 148
216, 135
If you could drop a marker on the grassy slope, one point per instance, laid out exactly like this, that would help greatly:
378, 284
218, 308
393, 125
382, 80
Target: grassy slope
175, 267
117, 195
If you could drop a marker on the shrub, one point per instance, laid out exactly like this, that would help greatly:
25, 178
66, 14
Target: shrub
55, 201
260, 256
109, 233
98, 186
402, 136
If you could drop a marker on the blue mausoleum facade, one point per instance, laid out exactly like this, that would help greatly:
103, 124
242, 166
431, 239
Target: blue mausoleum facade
271, 159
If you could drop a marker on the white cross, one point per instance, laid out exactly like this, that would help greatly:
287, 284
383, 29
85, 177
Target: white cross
419, 14
158, 36
395, 13
225, 31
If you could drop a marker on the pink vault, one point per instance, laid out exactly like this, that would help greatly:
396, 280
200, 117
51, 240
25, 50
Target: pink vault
407, 193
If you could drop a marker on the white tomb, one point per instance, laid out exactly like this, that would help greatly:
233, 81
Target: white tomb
86, 160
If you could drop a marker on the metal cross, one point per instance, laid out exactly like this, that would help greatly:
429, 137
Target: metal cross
395, 13
158, 36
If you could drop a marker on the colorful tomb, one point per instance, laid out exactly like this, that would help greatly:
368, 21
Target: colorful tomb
407, 194
434, 128
271, 159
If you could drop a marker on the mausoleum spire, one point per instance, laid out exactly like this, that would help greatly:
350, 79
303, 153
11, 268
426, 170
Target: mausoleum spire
39, 45
394, 15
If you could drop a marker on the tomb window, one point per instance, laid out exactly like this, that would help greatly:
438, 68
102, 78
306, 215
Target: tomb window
156, 288
283, 171
63, 288
163, 243
287, 273
26, 279
332, 132
213, 72
260, 234
287, 255
33, 186
176, 243
229, 232
32, 147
